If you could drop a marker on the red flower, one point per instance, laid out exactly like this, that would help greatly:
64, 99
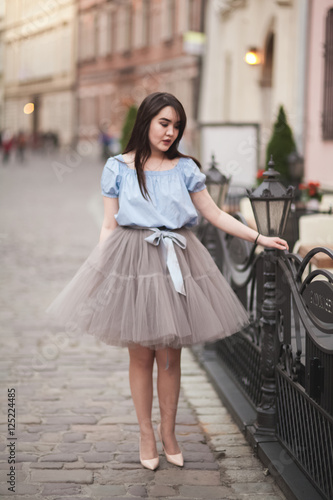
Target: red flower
260, 173
310, 190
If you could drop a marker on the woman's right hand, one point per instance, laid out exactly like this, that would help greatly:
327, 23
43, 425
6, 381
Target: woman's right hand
273, 242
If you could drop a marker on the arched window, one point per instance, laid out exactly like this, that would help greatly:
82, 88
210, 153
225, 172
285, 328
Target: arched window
328, 80
267, 69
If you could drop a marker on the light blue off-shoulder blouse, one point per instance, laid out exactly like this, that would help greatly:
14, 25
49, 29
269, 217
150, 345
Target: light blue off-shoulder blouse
170, 205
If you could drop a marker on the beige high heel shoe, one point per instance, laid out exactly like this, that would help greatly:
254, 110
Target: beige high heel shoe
151, 463
173, 459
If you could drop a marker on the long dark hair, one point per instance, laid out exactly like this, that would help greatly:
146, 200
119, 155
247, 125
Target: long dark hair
139, 141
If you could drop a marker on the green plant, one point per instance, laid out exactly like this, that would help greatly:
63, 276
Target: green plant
281, 145
128, 126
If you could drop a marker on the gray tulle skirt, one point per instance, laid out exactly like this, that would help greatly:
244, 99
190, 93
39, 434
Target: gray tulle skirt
123, 294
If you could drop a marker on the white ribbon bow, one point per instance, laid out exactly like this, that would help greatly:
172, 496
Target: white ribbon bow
167, 239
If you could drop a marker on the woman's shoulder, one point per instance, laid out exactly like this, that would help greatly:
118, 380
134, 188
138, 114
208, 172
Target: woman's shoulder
128, 159
188, 164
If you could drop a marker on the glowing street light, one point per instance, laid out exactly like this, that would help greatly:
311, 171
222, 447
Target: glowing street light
252, 57
29, 108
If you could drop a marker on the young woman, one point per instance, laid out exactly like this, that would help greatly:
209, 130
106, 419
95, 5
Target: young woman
150, 285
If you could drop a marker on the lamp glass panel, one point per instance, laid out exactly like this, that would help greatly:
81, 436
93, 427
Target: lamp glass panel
260, 213
276, 211
225, 190
215, 190
286, 212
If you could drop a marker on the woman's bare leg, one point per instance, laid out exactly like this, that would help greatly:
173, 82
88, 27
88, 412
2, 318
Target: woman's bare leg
168, 386
141, 384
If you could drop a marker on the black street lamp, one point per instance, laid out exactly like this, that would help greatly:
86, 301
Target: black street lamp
271, 204
217, 183
217, 186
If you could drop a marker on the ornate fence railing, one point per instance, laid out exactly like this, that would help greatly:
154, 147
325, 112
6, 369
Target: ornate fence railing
283, 362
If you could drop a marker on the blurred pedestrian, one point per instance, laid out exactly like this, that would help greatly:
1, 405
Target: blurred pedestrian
150, 285
105, 140
7, 145
21, 142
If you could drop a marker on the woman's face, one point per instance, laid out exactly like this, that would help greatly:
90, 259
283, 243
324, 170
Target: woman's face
163, 130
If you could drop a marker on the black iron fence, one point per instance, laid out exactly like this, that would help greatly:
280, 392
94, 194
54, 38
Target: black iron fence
283, 362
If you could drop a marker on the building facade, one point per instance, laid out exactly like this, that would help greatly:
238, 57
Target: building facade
319, 99
236, 92
40, 67
129, 49
2, 19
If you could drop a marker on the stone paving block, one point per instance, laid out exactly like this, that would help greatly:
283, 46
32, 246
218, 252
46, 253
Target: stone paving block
97, 457
134, 447
249, 475
236, 451
205, 492
105, 446
110, 476
219, 420
201, 465
138, 490
223, 441
178, 476
221, 429
94, 428
62, 476
120, 419
161, 490
76, 465
61, 489
59, 457
199, 457
196, 447
205, 402
71, 419
193, 438
246, 488
27, 437
46, 465
90, 409
26, 457
48, 428
72, 437
212, 410
240, 463
111, 490
74, 447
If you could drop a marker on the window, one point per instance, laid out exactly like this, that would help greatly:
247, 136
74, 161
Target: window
327, 123
128, 27
145, 22
112, 31
170, 18
191, 16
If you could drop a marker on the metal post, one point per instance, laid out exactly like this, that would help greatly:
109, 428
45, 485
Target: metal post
266, 410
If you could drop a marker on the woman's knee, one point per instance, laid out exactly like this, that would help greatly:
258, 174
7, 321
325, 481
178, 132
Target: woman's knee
142, 357
168, 357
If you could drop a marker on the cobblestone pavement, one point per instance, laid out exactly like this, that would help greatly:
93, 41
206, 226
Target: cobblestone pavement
76, 429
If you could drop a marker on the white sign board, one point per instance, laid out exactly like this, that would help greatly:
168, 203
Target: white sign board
236, 151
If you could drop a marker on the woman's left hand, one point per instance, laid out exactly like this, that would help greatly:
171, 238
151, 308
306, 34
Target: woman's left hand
273, 242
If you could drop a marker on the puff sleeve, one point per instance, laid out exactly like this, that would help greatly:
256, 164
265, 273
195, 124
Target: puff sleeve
194, 178
111, 178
